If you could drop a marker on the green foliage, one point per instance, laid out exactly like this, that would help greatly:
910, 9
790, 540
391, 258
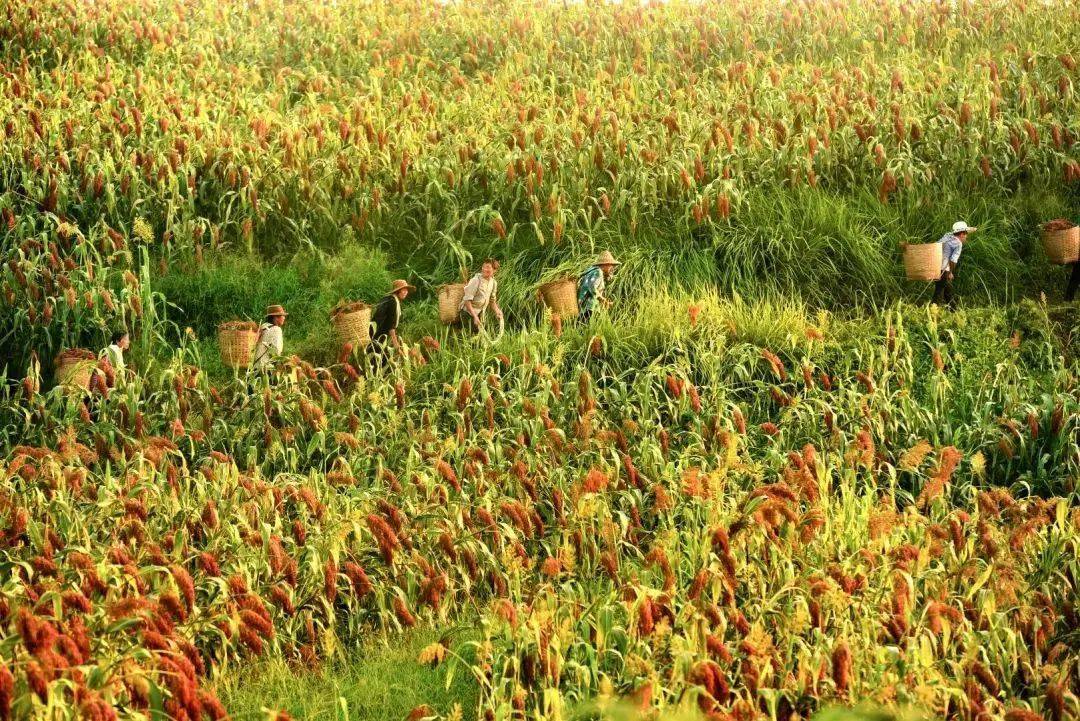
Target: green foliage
232, 287
381, 680
770, 472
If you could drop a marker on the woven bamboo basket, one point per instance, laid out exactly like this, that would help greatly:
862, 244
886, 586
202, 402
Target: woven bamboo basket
237, 339
450, 296
923, 261
561, 297
75, 367
352, 324
1062, 246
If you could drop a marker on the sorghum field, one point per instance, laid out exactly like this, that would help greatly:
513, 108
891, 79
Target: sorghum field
770, 482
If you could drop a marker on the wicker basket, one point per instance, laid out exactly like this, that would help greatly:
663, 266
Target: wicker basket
237, 339
352, 324
923, 261
450, 296
1062, 246
75, 367
561, 297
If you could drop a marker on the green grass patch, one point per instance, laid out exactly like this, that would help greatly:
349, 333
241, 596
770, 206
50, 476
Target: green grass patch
381, 679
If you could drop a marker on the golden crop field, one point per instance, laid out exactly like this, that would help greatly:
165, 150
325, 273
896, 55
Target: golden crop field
769, 482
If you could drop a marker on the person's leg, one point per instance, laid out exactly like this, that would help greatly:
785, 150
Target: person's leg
371, 356
950, 295
1074, 282
939, 290
378, 352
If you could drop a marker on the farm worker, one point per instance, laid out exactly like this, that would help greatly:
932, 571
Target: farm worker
1074, 282
110, 365
593, 283
480, 292
952, 244
385, 320
119, 342
271, 340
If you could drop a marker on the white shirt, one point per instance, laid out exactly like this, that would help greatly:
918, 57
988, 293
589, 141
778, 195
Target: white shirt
480, 291
271, 342
951, 247
115, 356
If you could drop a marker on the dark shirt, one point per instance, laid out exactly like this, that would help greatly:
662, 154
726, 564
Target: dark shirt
386, 316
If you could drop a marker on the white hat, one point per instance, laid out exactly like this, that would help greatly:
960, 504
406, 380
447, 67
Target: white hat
962, 227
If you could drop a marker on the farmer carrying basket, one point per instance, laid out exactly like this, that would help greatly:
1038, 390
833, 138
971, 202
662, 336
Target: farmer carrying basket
952, 244
271, 341
481, 292
592, 285
385, 322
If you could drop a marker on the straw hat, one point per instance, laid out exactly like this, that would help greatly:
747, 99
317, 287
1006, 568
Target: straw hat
399, 284
962, 227
606, 258
272, 310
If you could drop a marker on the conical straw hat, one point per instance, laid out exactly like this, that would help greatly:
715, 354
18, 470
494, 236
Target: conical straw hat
606, 258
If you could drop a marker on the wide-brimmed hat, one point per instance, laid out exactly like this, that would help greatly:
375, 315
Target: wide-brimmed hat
606, 258
399, 284
272, 310
962, 227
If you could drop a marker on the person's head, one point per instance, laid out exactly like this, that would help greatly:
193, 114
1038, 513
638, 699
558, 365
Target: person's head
401, 289
489, 267
961, 229
121, 339
607, 263
276, 315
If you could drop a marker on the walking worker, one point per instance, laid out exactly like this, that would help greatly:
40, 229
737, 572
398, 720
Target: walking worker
271, 341
385, 319
480, 292
593, 283
952, 244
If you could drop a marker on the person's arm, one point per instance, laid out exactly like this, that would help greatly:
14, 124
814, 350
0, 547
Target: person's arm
495, 300
396, 310
954, 257
277, 340
473, 312
601, 290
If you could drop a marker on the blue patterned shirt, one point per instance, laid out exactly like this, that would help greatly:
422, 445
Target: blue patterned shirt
950, 250
590, 288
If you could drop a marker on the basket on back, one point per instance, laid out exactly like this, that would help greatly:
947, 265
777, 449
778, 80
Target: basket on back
74, 368
450, 296
1061, 241
352, 323
236, 339
561, 297
923, 261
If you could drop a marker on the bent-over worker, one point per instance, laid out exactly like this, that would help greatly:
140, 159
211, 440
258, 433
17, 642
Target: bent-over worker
952, 244
480, 292
592, 285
